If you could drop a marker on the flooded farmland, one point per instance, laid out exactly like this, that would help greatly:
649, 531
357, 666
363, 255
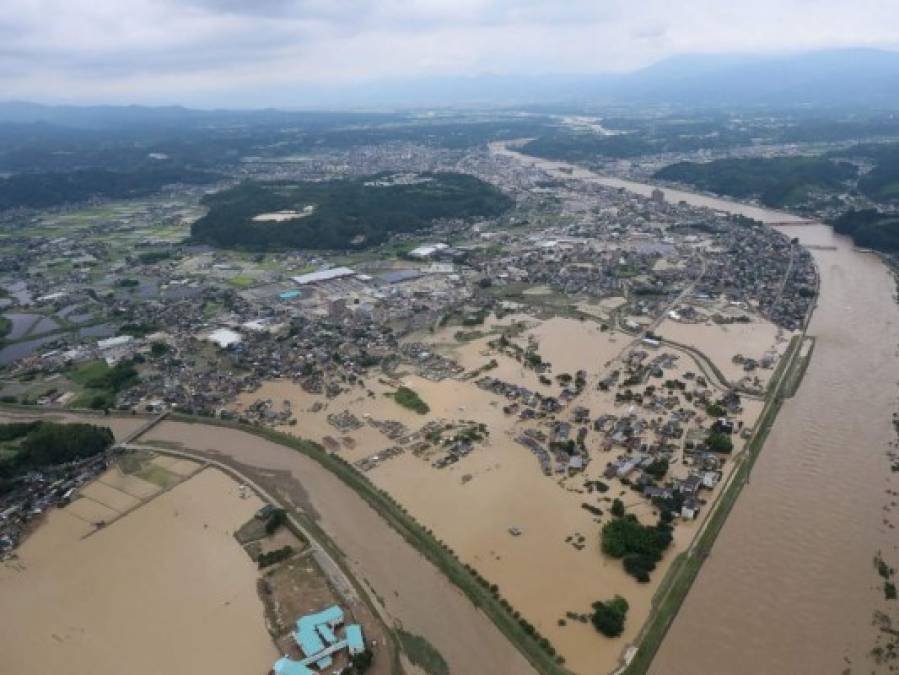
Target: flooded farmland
163, 588
407, 584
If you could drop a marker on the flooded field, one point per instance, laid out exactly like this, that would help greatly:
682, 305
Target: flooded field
164, 588
409, 586
473, 504
722, 342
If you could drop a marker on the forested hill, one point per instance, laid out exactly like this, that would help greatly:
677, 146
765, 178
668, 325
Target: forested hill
775, 181
343, 214
54, 188
870, 228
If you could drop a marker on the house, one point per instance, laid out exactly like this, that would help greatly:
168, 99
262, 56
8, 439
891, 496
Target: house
651, 491
690, 509
710, 479
627, 467
575, 464
690, 485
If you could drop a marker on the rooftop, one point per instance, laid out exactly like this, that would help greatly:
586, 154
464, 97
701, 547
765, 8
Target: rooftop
323, 275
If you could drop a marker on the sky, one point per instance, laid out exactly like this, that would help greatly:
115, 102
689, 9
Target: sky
250, 53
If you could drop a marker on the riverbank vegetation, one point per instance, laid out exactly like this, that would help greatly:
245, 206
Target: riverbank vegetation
422, 653
870, 228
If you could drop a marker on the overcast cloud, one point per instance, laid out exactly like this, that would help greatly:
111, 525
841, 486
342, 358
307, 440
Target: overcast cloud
168, 51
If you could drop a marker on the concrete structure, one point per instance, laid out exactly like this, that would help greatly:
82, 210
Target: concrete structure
224, 337
323, 275
426, 250
113, 342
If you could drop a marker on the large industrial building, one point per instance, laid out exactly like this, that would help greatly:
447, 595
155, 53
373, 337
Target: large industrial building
316, 636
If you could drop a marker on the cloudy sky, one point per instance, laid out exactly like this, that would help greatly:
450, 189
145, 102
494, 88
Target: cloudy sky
259, 51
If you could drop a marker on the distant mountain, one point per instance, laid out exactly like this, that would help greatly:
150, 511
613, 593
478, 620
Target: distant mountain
833, 77
167, 117
852, 77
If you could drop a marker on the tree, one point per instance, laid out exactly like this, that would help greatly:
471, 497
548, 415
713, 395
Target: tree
608, 617
715, 410
617, 509
719, 442
157, 349
52, 443
658, 468
362, 661
640, 545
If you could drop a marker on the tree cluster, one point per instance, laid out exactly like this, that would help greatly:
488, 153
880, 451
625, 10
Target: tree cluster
639, 546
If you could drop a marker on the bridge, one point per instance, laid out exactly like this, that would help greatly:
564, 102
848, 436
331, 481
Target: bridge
793, 222
142, 429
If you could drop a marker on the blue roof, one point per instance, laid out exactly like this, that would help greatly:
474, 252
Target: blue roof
326, 632
354, 637
307, 635
290, 295
284, 666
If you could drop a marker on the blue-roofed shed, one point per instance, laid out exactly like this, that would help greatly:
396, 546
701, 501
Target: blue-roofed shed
354, 641
284, 666
327, 633
307, 634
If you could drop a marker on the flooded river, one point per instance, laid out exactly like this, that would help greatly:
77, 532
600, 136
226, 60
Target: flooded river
790, 586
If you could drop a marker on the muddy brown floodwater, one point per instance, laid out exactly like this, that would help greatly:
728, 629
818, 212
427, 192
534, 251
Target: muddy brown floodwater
163, 589
413, 591
789, 586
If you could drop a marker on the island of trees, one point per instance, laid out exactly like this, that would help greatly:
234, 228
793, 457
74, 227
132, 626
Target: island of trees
608, 616
410, 399
640, 547
345, 214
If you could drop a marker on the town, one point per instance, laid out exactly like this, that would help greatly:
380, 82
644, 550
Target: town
616, 349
